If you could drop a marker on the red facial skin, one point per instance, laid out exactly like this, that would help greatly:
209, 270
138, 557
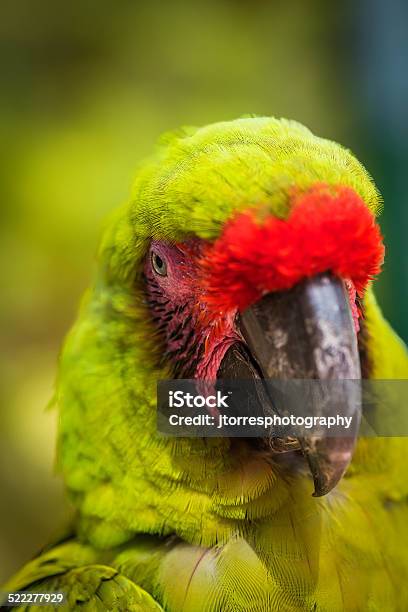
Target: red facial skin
195, 343
206, 284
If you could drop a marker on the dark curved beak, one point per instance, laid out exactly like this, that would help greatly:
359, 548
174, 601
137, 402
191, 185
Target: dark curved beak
307, 333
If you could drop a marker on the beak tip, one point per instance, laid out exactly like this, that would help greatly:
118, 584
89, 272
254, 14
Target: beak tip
320, 491
326, 465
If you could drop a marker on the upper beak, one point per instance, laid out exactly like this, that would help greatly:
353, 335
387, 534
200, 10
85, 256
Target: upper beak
307, 333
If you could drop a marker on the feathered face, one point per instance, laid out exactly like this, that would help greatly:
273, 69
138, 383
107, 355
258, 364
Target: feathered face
271, 297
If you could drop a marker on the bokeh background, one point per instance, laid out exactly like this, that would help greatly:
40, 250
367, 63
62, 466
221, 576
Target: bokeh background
86, 89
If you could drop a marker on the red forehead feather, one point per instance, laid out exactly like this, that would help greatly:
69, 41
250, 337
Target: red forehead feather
327, 229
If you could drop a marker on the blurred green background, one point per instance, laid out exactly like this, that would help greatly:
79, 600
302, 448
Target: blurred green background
87, 87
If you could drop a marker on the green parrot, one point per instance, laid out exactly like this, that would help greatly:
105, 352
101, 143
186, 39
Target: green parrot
248, 249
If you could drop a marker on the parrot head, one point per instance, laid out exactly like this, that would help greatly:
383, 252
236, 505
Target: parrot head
245, 252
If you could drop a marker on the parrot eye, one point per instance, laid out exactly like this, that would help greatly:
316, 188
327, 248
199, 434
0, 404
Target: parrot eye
158, 264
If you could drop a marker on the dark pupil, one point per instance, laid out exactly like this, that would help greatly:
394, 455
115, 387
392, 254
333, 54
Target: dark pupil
159, 262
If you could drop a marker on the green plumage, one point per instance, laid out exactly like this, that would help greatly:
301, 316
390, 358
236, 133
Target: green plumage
205, 525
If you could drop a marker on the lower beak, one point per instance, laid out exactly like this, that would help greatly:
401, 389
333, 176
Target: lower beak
308, 333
